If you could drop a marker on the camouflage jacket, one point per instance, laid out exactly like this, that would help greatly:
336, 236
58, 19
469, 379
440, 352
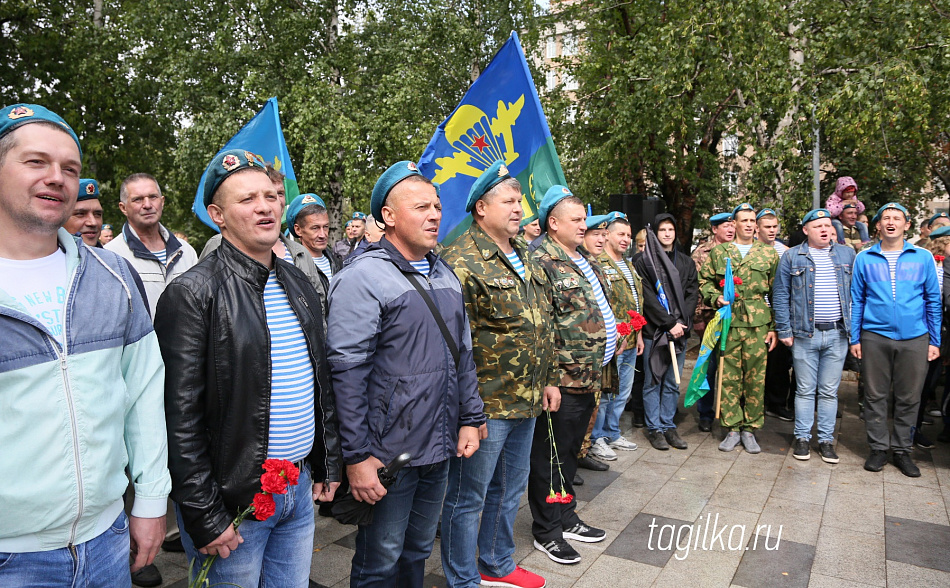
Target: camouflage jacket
580, 335
757, 272
621, 298
703, 312
512, 330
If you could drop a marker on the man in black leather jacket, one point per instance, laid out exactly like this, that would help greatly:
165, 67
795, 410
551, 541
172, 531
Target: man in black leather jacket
242, 337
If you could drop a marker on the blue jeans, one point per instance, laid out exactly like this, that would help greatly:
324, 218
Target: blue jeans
818, 362
660, 399
392, 550
100, 562
490, 484
607, 423
275, 552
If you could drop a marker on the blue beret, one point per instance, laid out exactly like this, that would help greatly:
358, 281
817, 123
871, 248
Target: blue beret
743, 206
717, 219
943, 231
396, 173
359, 216
764, 212
226, 163
849, 205
296, 205
615, 216
18, 115
936, 216
815, 215
598, 222
491, 177
889, 206
555, 194
88, 189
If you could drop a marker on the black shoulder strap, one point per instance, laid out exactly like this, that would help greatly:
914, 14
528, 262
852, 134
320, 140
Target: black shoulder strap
453, 348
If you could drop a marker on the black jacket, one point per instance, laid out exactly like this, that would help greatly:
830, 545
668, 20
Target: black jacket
212, 330
653, 311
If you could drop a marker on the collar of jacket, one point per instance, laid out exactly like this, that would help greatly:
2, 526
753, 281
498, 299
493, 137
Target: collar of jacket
172, 244
803, 248
486, 245
397, 258
244, 267
557, 252
876, 248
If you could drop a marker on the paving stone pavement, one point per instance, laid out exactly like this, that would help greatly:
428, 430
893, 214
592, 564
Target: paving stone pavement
701, 517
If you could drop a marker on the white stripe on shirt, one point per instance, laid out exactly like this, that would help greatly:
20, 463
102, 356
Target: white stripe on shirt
516, 263
609, 321
323, 264
628, 275
292, 426
891, 257
827, 302
421, 266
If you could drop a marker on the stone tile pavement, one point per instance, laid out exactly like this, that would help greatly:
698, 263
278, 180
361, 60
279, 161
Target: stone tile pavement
701, 517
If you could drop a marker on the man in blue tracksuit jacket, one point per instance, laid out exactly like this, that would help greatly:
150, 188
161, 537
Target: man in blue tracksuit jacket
895, 329
400, 384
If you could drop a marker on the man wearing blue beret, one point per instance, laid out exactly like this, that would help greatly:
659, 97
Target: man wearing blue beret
508, 298
585, 340
400, 351
812, 303
86, 219
895, 331
81, 387
308, 220
242, 336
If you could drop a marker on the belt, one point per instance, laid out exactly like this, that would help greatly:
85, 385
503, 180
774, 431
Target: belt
830, 326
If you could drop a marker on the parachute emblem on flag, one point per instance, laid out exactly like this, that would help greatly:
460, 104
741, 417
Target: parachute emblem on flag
478, 141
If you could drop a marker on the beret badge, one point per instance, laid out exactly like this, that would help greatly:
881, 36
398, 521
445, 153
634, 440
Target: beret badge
230, 162
90, 188
20, 112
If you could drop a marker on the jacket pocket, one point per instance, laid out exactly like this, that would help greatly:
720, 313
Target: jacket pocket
406, 405
577, 369
799, 278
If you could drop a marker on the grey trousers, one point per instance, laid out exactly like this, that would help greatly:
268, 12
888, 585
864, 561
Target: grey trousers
901, 366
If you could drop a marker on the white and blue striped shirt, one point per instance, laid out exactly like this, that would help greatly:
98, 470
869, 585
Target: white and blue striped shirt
323, 264
827, 301
516, 263
744, 249
292, 379
609, 321
161, 255
891, 257
940, 278
628, 275
287, 256
421, 266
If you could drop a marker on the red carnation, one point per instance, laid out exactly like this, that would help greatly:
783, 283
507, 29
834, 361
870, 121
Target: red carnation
722, 283
737, 281
623, 329
567, 498
274, 483
291, 472
264, 506
939, 258
637, 321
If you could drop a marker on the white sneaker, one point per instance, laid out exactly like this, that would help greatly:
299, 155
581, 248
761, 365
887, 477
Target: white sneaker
600, 450
622, 444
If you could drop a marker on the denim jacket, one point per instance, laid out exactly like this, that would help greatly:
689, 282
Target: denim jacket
793, 297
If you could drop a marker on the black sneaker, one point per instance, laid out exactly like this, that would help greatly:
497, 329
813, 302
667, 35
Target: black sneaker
826, 450
147, 577
705, 425
781, 413
906, 465
876, 460
922, 441
173, 545
674, 439
801, 449
657, 440
578, 480
559, 551
581, 532
589, 463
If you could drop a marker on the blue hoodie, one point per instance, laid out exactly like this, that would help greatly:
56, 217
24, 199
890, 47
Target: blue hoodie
916, 308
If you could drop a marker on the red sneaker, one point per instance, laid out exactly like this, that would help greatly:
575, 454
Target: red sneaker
520, 578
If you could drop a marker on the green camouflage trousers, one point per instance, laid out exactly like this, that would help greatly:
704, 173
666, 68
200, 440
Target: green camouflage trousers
590, 427
743, 379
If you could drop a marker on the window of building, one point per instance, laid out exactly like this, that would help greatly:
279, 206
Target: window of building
552, 48
550, 80
730, 145
730, 181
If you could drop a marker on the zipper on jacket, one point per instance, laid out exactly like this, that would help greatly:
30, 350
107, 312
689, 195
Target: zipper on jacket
73, 425
318, 394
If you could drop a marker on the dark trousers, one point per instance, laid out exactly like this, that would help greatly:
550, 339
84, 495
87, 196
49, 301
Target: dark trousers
569, 424
635, 404
934, 371
778, 383
705, 405
901, 365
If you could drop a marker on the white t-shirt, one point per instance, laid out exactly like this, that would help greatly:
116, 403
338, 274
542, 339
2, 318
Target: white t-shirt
39, 285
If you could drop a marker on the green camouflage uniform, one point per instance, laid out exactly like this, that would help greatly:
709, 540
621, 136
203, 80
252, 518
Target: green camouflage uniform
580, 335
511, 318
703, 313
743, 377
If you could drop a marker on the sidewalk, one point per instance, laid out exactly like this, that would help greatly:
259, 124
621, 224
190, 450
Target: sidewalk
780, 521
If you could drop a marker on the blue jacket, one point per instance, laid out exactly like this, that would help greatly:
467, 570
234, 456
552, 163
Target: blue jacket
74, 415
916, 309
396, 385
793, 295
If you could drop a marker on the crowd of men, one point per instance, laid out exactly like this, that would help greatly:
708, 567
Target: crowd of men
499, 363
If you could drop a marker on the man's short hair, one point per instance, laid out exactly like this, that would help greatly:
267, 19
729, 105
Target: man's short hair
764, 216
568, 200
9, 140
309, 210
619, 221
275, 175
408, 180
124, 190
507, 182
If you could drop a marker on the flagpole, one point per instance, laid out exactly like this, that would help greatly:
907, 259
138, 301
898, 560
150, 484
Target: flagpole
676, 366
